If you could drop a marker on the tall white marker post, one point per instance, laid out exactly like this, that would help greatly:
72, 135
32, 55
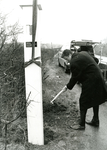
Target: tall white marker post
33, 75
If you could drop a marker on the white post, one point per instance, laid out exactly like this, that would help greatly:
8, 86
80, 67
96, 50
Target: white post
33, 81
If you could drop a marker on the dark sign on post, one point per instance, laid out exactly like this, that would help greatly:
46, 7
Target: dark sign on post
29, 44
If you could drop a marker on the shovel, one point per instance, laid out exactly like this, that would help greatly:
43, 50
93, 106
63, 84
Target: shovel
52, 101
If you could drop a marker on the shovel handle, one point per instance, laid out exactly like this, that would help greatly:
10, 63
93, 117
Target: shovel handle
56, 96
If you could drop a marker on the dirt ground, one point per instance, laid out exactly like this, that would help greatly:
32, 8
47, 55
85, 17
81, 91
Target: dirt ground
64, 112
57, 118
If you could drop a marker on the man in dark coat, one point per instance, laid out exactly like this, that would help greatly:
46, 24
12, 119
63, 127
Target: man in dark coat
85, 70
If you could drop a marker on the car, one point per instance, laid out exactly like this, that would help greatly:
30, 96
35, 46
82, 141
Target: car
73, 46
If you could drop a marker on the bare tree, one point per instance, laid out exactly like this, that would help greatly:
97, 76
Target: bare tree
12, 96
2, 31
8, 33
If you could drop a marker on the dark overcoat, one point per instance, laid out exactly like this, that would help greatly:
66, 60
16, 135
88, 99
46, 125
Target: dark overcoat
85, 70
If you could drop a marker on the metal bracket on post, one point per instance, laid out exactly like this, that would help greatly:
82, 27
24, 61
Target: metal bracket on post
34, 26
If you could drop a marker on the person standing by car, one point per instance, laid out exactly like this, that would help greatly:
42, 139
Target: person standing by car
85, 70
90, 51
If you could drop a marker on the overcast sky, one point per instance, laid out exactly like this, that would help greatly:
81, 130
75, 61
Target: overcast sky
66, 20
74, 19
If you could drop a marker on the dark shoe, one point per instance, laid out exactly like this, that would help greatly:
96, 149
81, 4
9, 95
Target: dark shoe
78, 127
94, 123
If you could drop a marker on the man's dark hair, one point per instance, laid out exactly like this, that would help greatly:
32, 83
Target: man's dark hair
66, 52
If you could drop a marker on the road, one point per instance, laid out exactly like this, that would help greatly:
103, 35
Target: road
94, 138
102, 59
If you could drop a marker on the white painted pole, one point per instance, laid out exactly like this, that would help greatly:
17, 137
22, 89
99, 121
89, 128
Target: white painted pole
34, 109
33, 82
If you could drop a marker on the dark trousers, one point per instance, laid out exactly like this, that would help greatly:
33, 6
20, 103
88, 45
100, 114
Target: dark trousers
83, 115
96, 112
